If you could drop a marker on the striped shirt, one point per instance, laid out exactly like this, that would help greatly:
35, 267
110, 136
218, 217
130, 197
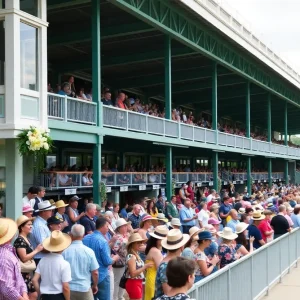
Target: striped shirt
40, 231
82, 261
12, 284
97, 242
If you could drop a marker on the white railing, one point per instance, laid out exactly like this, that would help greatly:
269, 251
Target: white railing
136, 122
251, 276
225, 15
71, 109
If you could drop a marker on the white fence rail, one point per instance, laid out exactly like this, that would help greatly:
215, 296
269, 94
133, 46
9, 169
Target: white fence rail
136, 122
251, 276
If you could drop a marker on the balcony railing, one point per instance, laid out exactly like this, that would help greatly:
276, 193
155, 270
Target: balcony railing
136, 122
65, 180
71, 109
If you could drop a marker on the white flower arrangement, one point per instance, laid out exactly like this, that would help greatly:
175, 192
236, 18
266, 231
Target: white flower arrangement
36, 142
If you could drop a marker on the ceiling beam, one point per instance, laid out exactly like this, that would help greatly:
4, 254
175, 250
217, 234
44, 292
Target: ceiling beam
56, 4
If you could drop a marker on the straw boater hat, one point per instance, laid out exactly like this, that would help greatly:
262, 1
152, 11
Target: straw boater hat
174, 222
146, 218
45, 205
257, 216
27, 208
23, 219
120, 222
242, 210
52, 201
193, 232
57, 242
162, 217
174, 240
60, 203
240, 227
8, 229
135, 237
160, 232
227, 234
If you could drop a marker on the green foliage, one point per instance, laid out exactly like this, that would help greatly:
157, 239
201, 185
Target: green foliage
103, 195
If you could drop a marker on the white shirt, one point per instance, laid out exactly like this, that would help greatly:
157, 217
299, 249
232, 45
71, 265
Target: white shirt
26, 201
54, 270
209, 198
85, 180
63, 179
32, 201
203, 216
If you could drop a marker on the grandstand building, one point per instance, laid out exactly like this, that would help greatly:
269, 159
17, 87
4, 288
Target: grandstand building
207, 100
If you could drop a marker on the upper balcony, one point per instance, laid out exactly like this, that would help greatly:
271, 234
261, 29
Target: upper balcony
73, 110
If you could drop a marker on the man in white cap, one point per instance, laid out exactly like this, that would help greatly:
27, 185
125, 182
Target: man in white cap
40, 229
12, 285
84, 266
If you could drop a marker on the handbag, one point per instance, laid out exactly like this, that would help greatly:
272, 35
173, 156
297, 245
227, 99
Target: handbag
123, 280
28, 266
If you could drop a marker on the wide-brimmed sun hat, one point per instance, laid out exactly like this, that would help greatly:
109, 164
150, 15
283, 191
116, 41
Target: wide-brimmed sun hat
205, 235
227, 234
57, 241
242, 210
174, 240
120, 222
135, 237
193, 232
8, 229
27, 208
257, 216
52, 201
145, 219
174, 222
23, 219
45, 205
60, 203
162, 217
240, 227
160, 232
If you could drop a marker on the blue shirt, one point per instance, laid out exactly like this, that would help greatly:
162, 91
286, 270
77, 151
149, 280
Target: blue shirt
40, 231
186, 213
254, 231
124, 213
232, 224
296, 220
97, 242
225, 209
82, 261
135, 220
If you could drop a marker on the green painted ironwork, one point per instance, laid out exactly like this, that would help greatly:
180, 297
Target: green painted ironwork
248, 110
249, 177
270, 181
169, 18
269, 117
215, 162
286, 171
285, 124
214, 95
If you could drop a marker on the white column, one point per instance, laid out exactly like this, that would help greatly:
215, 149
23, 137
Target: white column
12, 68
12, 4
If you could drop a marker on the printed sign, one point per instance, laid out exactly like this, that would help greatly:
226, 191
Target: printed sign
70, 191
108, 189
124, 188
142, 187
242, 182
199, 183
225, 182
163, 192
211, 183
155, 187
234, 182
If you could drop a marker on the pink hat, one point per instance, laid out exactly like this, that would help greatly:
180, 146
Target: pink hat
213, 221
27, 208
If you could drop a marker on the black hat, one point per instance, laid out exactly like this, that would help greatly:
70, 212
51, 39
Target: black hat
54, 220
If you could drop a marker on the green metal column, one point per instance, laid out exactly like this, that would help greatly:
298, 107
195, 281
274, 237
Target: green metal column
285, 124
14, 180
215, 161
168, 105
249, 177
96, 55
269, 118
215, 99
96, 82
248, 116
286, 171
270, 172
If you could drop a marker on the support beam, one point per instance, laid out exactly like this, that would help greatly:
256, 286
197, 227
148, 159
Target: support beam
215, 162
249, 177
269, 118
96, 172
286, 171
248, 112
286, 123
270, 181
214, 96
169, 173
14, 180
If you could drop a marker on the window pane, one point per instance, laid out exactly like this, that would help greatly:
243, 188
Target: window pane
29, 6
28, 37
2, 52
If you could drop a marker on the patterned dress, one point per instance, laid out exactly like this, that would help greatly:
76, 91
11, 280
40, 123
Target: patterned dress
161, 278
175, 297
21, 243
227, 254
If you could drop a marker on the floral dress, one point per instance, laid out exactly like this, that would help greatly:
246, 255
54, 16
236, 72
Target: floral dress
227, 254
21, 243
175, 297
118, 244
161, 278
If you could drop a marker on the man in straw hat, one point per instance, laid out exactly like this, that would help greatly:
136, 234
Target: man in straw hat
12, 285
254, 231
61, 209
174, 244
84, 266
53, 282
40, 229
98, 243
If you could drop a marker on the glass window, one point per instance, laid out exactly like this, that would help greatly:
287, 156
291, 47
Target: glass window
30, 7
29, 65
2, 52
50, 161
